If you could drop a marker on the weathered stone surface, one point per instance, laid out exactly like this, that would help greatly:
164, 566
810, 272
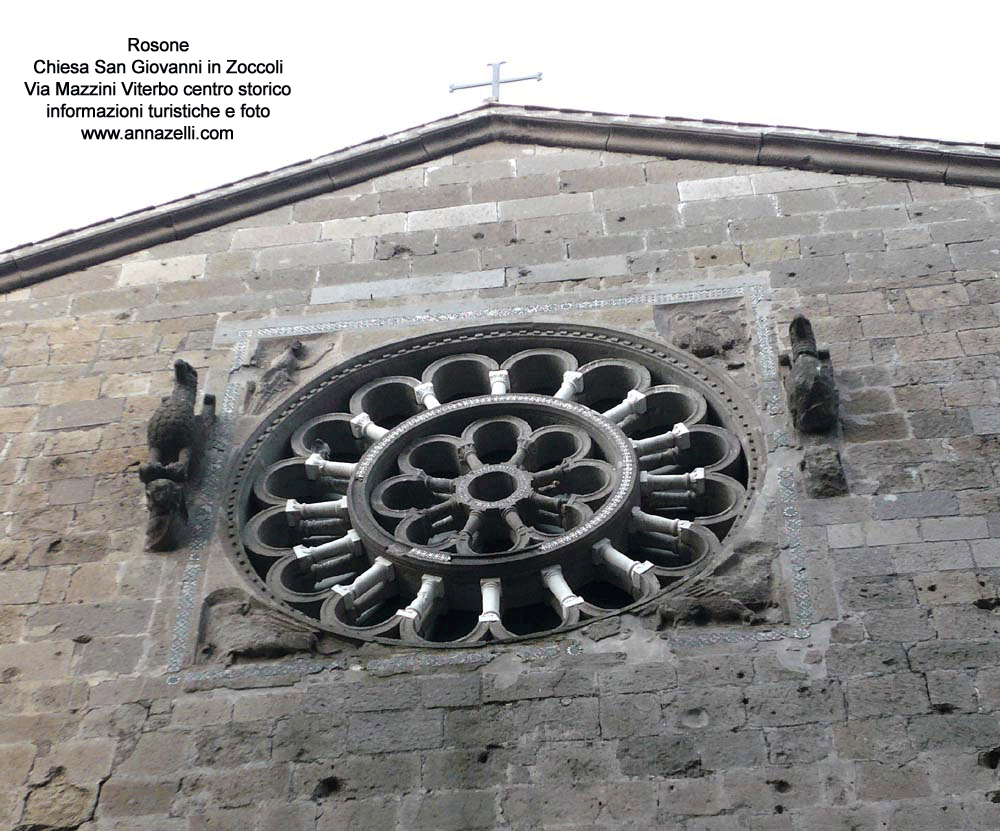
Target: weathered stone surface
824, 472
879, 715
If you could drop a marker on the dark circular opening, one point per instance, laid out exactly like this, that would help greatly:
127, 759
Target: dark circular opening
436, 458
494, 486
550, 448
496, 441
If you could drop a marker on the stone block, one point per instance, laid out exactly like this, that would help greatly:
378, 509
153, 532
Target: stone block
603, 246
663, 756
949, 211
954, 733
577, 762
776, 181
842, 242
878, 592
940, 423
625, 199
908, 238
393, 288
962, 230
638, 678
569, 270
386, 732
374, 814
524, 254
467, 768
739, 208
866, 218
765, 788
723, 750
847, 535
952, 692
522, 187
810, 272
882, 782
335, 206
966, 622
906, 625
658, 262
77, 414
954, 528
654, 217
46, 661
456, 262
903, 693
927, 556
538, 684
798, 745
284, 257
720, 188
605, 177
153, 272
450, 217
450, 690
136, 797
160, 755
637, 714
898, 264
986, 553
929, 503
94, 620
21, 587
806, 201
477, 172
297, 739
263, 237
976, 255
425, 198
568, 226
120, 655
714, 670
366, 226
941, 655
773, 705
875, 739
891, 532
769, 251
846, 660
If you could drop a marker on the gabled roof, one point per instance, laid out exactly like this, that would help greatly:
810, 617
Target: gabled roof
677, 138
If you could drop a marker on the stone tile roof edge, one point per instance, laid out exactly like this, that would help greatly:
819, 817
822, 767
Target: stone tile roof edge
821, 150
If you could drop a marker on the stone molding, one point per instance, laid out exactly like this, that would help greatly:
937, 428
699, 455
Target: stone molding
817, 150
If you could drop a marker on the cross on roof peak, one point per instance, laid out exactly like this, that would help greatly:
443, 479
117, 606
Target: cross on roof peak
496, 81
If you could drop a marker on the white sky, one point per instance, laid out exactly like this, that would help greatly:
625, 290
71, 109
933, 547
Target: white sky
360, 70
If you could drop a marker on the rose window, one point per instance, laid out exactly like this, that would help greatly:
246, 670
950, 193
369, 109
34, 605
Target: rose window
491, 484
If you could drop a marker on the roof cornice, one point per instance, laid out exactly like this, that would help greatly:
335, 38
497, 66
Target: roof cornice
819, 150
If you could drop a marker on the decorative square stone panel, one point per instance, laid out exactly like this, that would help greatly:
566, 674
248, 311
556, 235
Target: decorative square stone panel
515, 480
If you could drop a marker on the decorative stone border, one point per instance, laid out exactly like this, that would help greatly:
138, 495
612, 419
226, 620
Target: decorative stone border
204, 516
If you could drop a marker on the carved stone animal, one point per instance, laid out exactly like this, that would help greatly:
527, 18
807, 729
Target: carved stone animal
168, 515
173, 428
812, 393
173, 433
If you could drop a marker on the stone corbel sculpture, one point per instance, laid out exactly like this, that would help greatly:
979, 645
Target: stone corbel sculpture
812, 393
174, 433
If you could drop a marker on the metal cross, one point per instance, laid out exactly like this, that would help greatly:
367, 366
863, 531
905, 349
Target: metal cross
495, 83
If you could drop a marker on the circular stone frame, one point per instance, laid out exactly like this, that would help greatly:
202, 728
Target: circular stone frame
660, 529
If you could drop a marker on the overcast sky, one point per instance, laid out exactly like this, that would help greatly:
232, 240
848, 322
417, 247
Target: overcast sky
361, 70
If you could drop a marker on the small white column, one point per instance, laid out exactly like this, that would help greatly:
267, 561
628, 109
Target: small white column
426, 396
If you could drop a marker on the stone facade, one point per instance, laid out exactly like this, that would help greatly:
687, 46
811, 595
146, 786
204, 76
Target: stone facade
877, 710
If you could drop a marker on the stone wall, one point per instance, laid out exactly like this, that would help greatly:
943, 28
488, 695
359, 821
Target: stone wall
882, 714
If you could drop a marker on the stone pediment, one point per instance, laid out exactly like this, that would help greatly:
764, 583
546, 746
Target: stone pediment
673, 138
